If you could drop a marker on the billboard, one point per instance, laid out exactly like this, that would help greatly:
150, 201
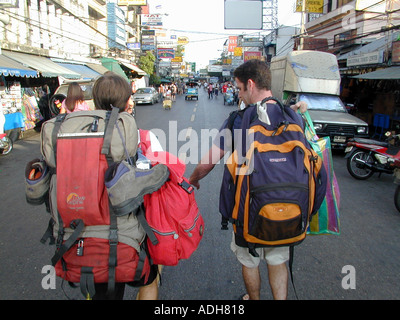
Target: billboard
235, 19
151, 19
248, 55
165, 53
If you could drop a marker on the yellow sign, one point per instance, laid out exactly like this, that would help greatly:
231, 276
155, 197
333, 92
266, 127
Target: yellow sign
176, 59
132, 2
312, 6
183, 40
238, 52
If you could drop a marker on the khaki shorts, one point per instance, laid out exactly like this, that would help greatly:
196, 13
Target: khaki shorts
273, 256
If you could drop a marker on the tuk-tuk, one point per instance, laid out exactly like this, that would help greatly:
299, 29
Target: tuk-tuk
192, 90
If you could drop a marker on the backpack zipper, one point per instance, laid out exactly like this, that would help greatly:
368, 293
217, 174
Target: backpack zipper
279, 186
173, 233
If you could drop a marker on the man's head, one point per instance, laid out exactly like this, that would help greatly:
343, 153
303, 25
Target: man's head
253, 79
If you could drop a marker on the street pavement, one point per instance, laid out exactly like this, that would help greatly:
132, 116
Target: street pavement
368, 245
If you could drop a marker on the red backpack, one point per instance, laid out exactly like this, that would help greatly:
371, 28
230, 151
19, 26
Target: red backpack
171, 212
94, 245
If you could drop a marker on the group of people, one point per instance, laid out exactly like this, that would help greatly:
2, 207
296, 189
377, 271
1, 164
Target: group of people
254, 84
170, 90
213, 89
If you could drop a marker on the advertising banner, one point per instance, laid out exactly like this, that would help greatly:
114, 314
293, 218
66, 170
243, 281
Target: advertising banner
232, 43
248, 55
165, 53
151, 19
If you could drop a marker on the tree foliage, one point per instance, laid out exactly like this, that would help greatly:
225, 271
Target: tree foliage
146, 63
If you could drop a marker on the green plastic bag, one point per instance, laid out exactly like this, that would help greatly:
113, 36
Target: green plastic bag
326, 220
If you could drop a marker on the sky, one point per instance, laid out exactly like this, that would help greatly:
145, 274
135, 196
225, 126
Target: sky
202, 21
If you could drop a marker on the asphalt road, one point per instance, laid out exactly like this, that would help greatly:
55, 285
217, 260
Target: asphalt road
369, 239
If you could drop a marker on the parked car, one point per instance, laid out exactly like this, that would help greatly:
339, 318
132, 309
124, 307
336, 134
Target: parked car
146, 95
61, 93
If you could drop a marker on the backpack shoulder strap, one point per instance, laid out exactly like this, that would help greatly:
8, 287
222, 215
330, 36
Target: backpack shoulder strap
109, 131
57, 124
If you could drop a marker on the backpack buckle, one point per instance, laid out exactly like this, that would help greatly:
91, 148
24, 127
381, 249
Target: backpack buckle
186, 186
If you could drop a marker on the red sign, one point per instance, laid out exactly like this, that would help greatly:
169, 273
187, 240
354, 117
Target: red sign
232, 44
248, 55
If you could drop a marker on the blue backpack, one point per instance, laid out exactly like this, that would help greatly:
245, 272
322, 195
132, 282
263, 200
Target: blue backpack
273, 181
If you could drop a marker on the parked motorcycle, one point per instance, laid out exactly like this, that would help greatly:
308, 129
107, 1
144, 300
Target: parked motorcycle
6, 144
367, 156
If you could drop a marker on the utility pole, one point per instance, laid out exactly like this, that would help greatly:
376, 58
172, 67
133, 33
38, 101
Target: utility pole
303, 21
389, 31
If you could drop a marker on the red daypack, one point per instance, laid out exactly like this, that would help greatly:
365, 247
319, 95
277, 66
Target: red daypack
171, 212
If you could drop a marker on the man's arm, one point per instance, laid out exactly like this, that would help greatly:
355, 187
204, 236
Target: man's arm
207, 163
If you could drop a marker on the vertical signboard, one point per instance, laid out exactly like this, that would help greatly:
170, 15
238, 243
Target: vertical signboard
232, 43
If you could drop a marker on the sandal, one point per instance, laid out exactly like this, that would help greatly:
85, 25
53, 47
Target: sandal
244, 296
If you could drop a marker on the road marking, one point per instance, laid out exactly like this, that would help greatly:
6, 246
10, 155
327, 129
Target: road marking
188, 133
194, 110
192, 118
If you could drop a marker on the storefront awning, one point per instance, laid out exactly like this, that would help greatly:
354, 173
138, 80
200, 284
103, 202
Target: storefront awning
9, 67
83, 70
44, 66
139, 71
392, 73
113, 65
97, 67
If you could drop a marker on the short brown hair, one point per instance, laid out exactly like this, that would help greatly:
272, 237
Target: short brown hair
256, 70
111, 89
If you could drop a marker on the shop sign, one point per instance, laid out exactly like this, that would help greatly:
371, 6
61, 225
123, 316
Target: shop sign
165, 53
375, 57
396, 51
232, 44
238, 52
312, 6
183, 40
248, 55
133, 45
151, 19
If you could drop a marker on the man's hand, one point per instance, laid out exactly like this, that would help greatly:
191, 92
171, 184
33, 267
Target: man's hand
302, 105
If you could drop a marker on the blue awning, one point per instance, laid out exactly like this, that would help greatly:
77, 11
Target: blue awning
44, 66
83, 70
9, 67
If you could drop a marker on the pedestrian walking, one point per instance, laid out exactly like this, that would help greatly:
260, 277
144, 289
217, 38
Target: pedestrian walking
210, 91
254, 84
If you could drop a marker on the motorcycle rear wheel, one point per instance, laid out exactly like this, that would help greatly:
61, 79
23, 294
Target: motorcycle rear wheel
7, 146
397, 198
357, 170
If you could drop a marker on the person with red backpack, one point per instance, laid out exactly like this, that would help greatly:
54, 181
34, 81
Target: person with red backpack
91, 178
254, 84
111, 89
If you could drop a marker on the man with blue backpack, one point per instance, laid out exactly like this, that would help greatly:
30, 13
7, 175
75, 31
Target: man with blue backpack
273, 181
